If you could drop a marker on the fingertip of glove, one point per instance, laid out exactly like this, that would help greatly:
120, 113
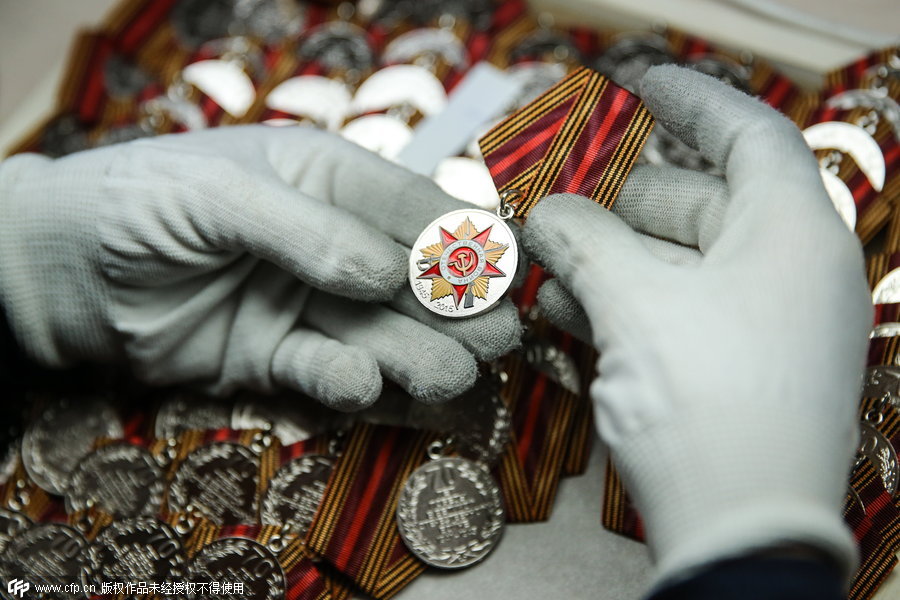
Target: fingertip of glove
457, 375
352, 381
502, 333
374, 278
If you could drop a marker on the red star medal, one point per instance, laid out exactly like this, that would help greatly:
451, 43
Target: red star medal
463, 263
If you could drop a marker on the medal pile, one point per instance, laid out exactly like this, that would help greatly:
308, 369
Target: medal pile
281, 498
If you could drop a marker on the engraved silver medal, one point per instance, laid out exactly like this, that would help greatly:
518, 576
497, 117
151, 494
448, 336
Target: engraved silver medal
219, 482
120, 479
243, 561
450, 514
62, 435
294, 493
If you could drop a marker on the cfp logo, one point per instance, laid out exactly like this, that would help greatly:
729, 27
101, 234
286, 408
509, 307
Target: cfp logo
17, 587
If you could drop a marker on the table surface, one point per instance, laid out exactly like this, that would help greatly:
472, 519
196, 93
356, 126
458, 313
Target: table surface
569, 556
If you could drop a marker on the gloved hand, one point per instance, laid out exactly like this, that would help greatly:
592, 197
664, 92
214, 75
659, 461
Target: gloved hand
729, 380
243, 256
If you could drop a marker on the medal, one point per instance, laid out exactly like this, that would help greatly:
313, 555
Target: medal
141, 549
876, 448
218, 482
48, 552
294, 494
64, 433
12, 523
249, 566
450, 514
121, 479
463, 263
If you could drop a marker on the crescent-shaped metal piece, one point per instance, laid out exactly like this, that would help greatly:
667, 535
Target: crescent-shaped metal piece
851, 140
323, 100
397, 86
407, 47
841, 197
223, 81
877, 100
887, 290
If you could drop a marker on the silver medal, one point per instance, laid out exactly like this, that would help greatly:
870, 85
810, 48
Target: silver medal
554, 362
12, 524
887, 290
853, 140
225, 81
64, 135
324, 101
463, 263
338, 46
123, 78
294, 493
291, 419
876, 448
883, 330
880, 381
628, 58
198, 21
240, 561
425, 47
183, 413
142, 549
724, 69
122, 480
450, 514
219, 482
400, 86
62, 435
49, 553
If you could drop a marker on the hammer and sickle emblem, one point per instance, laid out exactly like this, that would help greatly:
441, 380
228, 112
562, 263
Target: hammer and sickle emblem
465, 262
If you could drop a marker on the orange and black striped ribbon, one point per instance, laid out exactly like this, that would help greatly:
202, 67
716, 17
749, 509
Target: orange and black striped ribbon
542, 416
355, 530
581, 136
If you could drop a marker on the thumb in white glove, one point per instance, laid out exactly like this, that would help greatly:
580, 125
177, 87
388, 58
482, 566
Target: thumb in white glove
729, 380
236, 257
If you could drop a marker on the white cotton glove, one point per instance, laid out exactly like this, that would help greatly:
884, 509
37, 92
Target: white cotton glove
236, 257
729, 380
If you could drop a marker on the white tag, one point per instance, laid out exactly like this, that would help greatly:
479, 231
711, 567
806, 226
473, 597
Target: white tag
483, 94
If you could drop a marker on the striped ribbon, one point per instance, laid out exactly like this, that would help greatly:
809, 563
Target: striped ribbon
542, 417
304, 579
355, 530
581, 136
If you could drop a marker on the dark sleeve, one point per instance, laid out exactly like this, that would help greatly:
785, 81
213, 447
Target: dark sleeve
10, 357
757, 578
12, 371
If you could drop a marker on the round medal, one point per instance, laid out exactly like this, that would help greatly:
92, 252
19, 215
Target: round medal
48, 552
463, 263
240, 561
182, 413
142, 549
879, 451
294, 494
120, 479
881, 380
449, 513
12, 523
64, 433
219, 482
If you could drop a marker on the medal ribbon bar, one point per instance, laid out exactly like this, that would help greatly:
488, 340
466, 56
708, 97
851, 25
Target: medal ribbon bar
581, 136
